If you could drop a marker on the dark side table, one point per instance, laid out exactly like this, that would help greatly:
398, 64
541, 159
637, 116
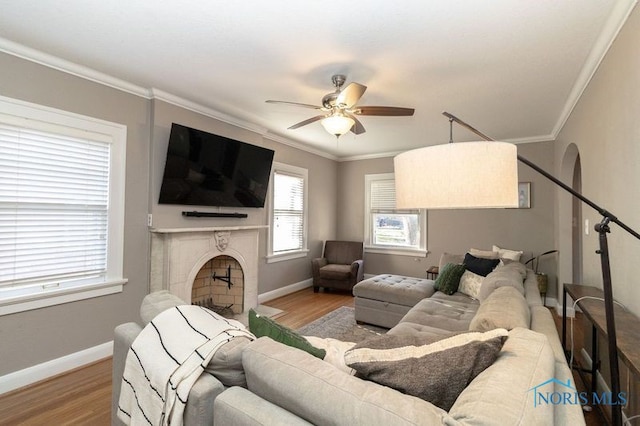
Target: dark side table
628, 334
432, 272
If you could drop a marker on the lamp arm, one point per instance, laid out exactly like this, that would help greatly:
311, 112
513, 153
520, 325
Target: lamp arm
603, 229
552, 178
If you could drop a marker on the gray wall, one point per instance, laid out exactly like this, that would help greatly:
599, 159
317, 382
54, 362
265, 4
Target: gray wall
322, 189
605, 128
455, 231
32, 337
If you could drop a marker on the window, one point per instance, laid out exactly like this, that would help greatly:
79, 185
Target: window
61, 206
288, 213
388, 230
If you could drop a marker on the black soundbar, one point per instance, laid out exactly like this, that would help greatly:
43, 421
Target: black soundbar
208, 214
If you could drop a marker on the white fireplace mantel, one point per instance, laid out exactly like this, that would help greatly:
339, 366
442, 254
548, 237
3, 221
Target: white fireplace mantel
178, 254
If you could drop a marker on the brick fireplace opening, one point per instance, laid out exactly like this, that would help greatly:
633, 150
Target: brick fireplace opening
219, 286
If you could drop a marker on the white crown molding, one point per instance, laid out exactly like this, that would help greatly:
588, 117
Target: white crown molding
207, 111
612, 27
87, 73
69, 67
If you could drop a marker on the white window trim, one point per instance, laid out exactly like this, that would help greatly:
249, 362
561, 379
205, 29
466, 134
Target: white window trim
31, 115
292, 254
369, 247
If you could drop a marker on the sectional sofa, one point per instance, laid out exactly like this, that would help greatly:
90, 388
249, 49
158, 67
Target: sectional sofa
285, 385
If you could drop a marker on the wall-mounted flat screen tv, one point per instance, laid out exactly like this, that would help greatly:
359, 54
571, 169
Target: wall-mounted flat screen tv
203, 169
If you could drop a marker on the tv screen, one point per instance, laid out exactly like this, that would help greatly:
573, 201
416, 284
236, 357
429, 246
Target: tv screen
203, 169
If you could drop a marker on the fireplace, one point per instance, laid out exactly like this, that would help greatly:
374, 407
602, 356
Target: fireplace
179, 254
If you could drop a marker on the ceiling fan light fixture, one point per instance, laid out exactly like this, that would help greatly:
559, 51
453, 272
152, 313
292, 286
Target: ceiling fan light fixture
337, 124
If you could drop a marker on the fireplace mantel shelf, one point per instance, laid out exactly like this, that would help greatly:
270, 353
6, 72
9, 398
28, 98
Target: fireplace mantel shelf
207, 229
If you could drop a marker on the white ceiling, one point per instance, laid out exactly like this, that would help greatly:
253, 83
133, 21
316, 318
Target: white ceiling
511, 68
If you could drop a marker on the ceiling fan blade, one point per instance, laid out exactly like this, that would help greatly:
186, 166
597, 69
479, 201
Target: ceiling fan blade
384, 111
357, 127
294, 103
350, 95
307, 121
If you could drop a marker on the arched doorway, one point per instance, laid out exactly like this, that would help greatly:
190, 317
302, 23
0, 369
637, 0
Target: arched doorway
570, 224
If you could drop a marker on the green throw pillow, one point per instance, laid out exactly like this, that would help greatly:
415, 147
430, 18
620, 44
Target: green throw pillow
449, 278
264, 326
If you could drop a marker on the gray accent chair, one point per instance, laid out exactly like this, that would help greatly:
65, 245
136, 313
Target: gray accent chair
341, 266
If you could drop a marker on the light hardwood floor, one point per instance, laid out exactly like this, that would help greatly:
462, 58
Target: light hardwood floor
83, 396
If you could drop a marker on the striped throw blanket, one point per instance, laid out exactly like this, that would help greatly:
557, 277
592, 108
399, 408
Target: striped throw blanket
167, 358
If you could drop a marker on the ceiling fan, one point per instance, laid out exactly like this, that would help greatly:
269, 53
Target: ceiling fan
341, 110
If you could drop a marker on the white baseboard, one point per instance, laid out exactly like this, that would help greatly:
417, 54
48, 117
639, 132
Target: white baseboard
274, 294
551, 302
36, 373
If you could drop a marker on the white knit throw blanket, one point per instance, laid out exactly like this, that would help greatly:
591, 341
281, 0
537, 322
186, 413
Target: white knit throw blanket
166, 359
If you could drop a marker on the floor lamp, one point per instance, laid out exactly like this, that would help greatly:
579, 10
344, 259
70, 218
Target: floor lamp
484, 175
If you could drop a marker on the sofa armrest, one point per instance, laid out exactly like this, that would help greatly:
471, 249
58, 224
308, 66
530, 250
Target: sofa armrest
199, 408
316, 264
322, 393
200, 405
357, 269
238, 406
123, 337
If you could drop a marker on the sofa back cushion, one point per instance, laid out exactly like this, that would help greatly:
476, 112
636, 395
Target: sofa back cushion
506, 308
321, 394
504, 393
450, 258
156, 302
343, 252
511, 275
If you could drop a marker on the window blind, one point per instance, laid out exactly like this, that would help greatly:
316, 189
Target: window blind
54, 198
383, 195
288, 212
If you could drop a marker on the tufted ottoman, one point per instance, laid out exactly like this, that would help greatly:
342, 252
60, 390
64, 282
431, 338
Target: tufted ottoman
384, 299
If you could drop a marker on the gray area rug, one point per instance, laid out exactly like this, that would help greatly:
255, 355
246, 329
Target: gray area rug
341, 325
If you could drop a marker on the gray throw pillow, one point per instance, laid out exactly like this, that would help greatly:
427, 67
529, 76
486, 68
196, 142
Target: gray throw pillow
449, 278
437, 372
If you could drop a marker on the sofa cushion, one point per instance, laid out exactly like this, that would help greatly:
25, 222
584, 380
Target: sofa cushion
504, 275
323, 395
449, 278
156, 302
436, 372
470, 284
505, 308
264, 326
226, 364
502, 394
452, 313
450, 258
334, 271
478, 265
